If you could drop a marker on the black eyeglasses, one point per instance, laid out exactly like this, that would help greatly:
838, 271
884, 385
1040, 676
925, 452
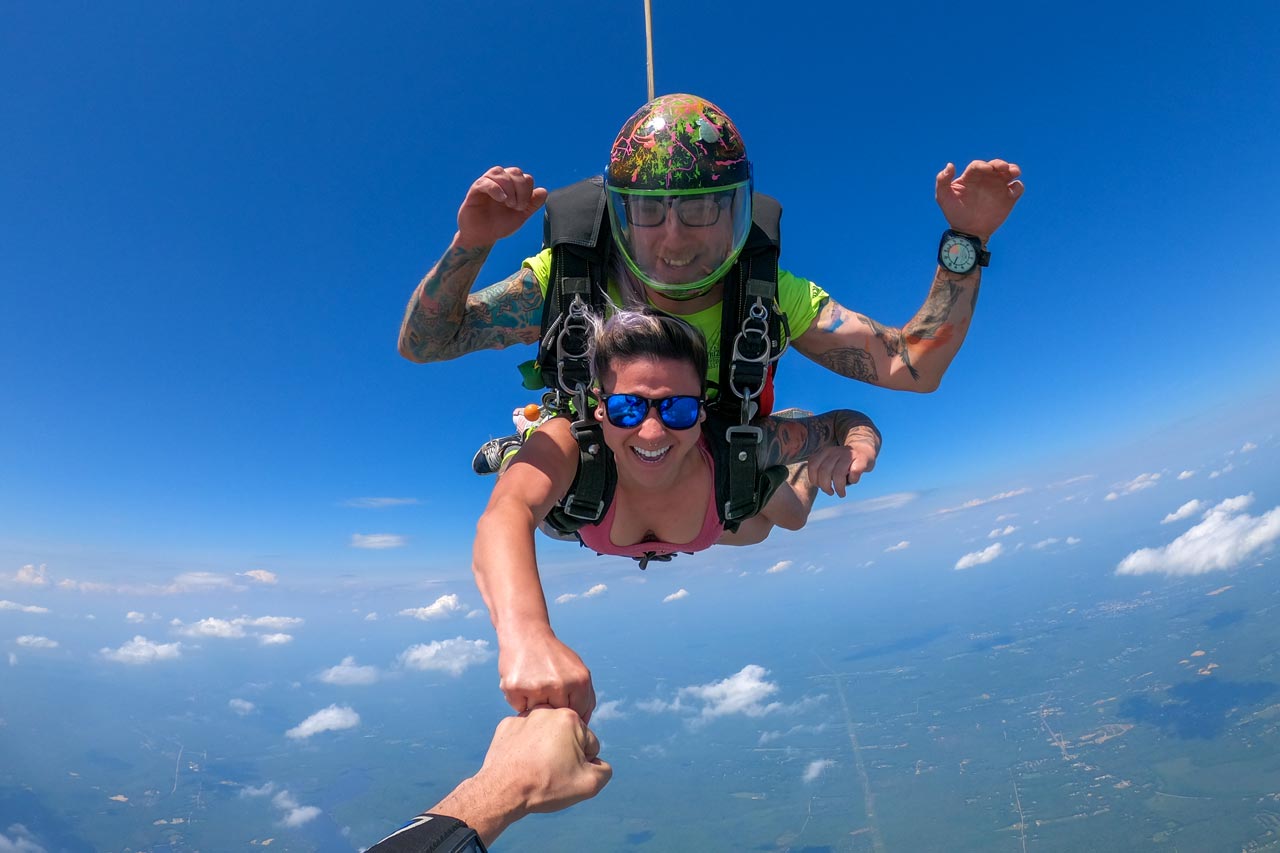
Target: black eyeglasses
629, 410
693, 211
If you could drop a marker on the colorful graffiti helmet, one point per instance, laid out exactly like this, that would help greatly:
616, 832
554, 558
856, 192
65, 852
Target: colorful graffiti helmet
679, 185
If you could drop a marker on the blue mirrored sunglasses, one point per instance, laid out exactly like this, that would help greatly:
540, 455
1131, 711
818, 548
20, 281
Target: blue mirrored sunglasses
629, 410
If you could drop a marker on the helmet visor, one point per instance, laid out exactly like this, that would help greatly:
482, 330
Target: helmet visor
680, 241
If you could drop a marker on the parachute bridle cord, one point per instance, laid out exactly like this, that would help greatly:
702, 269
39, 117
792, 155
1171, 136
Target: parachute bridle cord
648, 38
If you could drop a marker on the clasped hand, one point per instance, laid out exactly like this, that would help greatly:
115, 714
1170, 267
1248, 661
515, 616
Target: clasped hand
535, 669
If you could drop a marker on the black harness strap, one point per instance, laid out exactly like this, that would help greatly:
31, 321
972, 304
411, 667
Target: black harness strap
577, 230
595, 461
591, 492
750, 308
586, 500
753, 336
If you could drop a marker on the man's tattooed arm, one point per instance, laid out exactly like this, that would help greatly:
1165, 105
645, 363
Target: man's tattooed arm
788, 440
444, 320
911, 358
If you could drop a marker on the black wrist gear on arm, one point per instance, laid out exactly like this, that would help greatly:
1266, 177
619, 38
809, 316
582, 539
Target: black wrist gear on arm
431, 833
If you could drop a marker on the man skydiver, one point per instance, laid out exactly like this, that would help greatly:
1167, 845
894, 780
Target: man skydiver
675, 167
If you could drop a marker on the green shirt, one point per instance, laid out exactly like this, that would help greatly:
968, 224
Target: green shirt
799, 299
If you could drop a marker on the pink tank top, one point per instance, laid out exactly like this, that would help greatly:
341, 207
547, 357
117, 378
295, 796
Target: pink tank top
597, 536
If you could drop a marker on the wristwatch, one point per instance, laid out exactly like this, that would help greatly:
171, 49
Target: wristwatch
960, 253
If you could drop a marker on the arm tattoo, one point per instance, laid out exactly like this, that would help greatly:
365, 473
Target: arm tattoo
930, 324
791, 440
850, 361
444, 321
854, 362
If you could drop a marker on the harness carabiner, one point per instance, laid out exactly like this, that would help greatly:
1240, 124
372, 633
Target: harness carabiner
752, 353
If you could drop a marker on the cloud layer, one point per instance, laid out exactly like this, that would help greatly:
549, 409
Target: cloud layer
140, 651
332, 719
977, 558
443, 606
349, 674
745, 693
451, 656
378, 541
1227, 537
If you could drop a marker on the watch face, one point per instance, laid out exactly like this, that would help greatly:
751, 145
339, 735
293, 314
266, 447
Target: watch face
957, 254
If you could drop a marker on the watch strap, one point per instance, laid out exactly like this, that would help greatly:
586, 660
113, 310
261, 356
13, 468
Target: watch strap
431, 833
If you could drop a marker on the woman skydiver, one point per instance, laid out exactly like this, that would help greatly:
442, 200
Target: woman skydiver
650, 370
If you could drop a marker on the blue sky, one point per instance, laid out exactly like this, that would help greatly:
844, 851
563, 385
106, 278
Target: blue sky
215, 213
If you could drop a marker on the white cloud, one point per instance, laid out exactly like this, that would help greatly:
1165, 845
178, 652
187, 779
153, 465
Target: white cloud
274, 639
13, 659
880, 504
378, 541
135, 617
977, 558
611, 710
220, 629
300, 815
265, 789
1073, 540
378, 503
1248, 447
199, 582
1083, 478
998, 532
349, 674
676, 596
242, 707
1045, 543
770, 737
780, 566
1137, 484
1236, 504
272, 623
18, 839
1187, 510
1225, 539
31, 641
373, 617
295, 815
186, 583
261, 576
332, 719
32, 575
233, 629
970, 504
816, 769
742, 693
901, 546
451, 656
596, 590
438, 609
140, 651
1186, 475
25, 608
